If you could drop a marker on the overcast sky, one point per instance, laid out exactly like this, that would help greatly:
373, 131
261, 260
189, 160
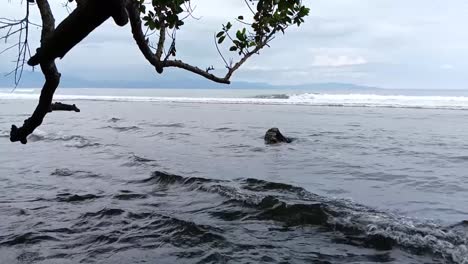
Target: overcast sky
384, 43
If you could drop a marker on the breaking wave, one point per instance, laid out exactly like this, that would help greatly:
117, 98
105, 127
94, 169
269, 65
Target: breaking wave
194, 219
350, 223
273, 96
124, 128
74, 141
313, 99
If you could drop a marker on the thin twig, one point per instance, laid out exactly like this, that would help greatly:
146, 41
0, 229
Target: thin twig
21, 29
219, 52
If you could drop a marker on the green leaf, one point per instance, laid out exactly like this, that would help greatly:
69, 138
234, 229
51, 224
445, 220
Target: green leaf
221, 39
239, 35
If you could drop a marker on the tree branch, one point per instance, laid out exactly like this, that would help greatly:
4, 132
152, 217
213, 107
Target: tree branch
79, 24
162, 38
52, 80
182, 65
57, 42
139, 36
63, 107
155, 59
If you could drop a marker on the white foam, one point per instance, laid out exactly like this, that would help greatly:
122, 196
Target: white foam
24, 90
372, 100
349, 100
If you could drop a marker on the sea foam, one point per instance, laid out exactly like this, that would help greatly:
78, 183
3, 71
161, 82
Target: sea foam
312, 99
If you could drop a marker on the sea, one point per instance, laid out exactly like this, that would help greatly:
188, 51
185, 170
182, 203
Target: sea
184, 176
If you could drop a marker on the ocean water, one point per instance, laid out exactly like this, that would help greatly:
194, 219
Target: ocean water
183, 176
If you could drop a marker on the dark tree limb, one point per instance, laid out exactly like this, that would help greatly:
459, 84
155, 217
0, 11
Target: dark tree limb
155, 58
63, 107
57, 42
162, 39
79, 24
139, 36
52, 80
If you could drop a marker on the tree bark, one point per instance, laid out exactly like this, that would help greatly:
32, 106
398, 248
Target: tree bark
63, 107
78, 25
52, 80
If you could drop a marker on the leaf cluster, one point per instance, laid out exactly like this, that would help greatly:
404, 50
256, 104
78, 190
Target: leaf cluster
270, 17
164, 13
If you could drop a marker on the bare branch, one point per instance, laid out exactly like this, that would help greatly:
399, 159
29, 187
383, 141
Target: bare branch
190, 10
219, 52
251, 10
21, 29
8, 48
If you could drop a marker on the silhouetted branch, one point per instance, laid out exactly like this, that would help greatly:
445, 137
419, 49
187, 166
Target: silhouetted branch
155, 58
162, 38
78, 25
63, 107
220, 53
57, 42
52, 80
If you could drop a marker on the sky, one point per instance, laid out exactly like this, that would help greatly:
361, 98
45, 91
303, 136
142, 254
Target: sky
397, 44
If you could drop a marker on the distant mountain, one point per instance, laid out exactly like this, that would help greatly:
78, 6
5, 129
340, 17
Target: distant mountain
36, 79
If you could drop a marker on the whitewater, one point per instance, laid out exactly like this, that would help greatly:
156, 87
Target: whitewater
262, 97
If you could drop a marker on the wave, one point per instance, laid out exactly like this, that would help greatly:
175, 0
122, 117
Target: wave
4, 134
313, 99
74, 173
26, 90
226, 130
74, 141
350, 223
273, 96
391, 101
243, 220
123, 128
70, 198
174, 125
26, 239
126, 195
114, 120
136, 161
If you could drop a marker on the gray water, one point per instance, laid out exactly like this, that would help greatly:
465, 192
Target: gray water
164, 182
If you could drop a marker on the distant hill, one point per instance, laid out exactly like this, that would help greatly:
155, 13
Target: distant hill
35, 80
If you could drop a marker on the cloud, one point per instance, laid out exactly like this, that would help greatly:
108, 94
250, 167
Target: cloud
337, 61
447, 67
